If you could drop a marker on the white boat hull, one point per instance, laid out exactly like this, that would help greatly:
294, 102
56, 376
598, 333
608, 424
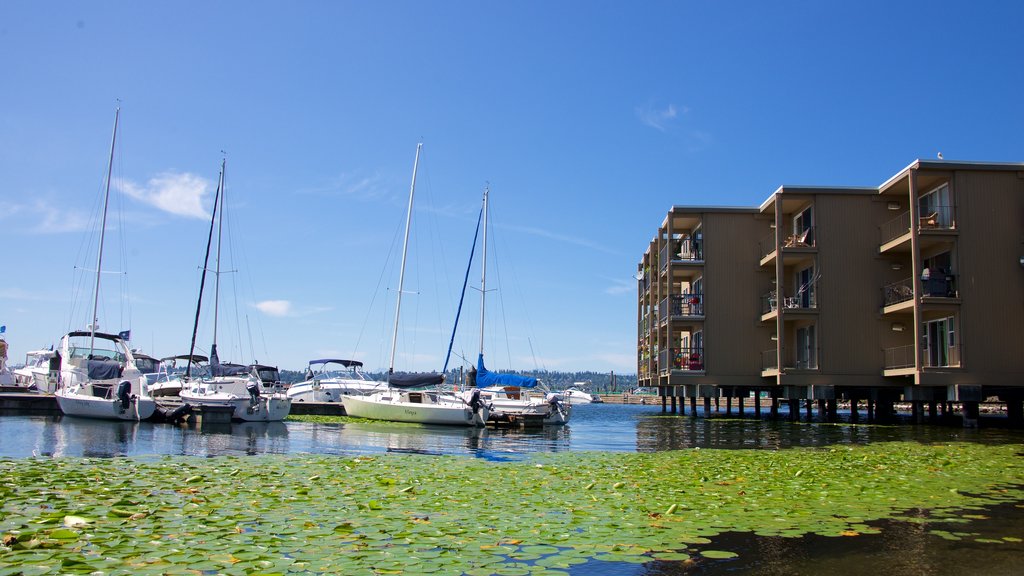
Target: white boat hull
523, 403
266, 408
325, 391
395, 406
72, 404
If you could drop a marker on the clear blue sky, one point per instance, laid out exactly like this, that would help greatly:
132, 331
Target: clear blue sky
589, 119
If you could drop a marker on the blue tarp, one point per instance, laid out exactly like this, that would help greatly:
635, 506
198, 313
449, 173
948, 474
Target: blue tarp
486, 378
104, 369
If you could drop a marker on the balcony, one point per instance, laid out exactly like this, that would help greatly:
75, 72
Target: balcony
687, 359
687, 305
769, 360
937, 218
933, 285
799, 241
805, 299
903, 357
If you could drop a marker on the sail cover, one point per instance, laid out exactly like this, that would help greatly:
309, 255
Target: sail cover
486, 378
414, 380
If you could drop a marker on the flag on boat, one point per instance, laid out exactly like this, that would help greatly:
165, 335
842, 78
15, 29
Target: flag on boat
125, 335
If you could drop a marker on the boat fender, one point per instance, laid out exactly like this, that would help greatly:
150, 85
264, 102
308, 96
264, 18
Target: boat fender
124, 389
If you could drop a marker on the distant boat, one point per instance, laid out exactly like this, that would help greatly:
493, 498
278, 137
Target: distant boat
399, 402
574, 395
99, 377
253, 392
328, 379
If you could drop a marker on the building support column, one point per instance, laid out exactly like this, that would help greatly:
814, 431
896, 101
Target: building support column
707, 407
831, 410
693, 406
757, 404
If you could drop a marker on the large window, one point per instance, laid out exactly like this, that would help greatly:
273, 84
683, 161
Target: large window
803, 226
940, 342
936, 208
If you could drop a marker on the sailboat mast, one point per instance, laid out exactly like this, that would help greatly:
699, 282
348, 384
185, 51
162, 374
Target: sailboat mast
405, 249
103, 230
483, 275
216, 274
202, 281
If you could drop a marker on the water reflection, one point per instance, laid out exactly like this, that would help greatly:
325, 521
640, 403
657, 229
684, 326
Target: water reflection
594, 427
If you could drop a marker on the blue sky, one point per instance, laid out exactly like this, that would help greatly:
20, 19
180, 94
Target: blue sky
588, 119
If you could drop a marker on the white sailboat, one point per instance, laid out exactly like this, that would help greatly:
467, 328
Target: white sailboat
511, 394
399, 402
229, 385
99, 377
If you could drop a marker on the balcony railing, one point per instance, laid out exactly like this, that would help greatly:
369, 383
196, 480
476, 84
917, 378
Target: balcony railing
805, 299
937, 218
800, 239
690, 358
898, 292
687, 304
900, 357
939, 284
806, 359
689, 249
768, 245
769, 359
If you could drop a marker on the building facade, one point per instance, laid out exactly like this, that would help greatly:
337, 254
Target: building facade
912, 291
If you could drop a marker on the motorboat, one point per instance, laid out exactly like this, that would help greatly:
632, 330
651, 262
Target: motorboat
99, 375
171, 375
574, 395
328, 379
251, 398
99, 378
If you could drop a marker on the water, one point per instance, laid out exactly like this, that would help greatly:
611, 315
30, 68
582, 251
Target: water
594, 427
902, 548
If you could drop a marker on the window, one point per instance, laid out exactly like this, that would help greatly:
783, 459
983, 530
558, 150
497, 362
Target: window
803, 226
806, 348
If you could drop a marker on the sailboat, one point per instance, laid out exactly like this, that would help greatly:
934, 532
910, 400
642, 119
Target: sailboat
511, 394
240, 387
405, 399
99, 377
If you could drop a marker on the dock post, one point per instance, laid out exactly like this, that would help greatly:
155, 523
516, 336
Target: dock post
774, 410
707, 406
693, 406
854, 409
832, 410
794, 409
728, 405
673, 404
821, 409
757, 404
739, 405
871, 409
808, 408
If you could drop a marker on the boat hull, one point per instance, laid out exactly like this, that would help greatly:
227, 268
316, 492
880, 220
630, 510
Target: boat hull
84, 406
266, 408
394, 407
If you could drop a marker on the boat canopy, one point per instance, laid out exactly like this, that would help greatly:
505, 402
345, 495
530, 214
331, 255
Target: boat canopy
415, 380
485, 378
345, 363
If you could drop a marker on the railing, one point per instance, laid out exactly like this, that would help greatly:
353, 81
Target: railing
898, 292
904, 357
939, 284
690, 249
690, 358
688, 304
768, 245
937, 218
895, 228
664, 255
805, 299
802, 239
900, 357
769, 359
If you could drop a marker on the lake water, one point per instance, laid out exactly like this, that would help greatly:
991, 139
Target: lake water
900, 549
601, 427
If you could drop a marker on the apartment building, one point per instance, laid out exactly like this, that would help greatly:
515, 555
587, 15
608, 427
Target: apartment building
913, 290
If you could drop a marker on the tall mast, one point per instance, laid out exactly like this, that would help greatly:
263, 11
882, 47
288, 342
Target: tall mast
405, 249
103, 230
216, 274
202, 281
483, 275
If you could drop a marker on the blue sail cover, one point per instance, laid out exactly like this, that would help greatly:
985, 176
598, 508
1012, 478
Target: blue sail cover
486, 378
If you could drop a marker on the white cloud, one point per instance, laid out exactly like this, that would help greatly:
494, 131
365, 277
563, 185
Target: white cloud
275, 307
658, 117
620, 286
179, 194
42, 217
